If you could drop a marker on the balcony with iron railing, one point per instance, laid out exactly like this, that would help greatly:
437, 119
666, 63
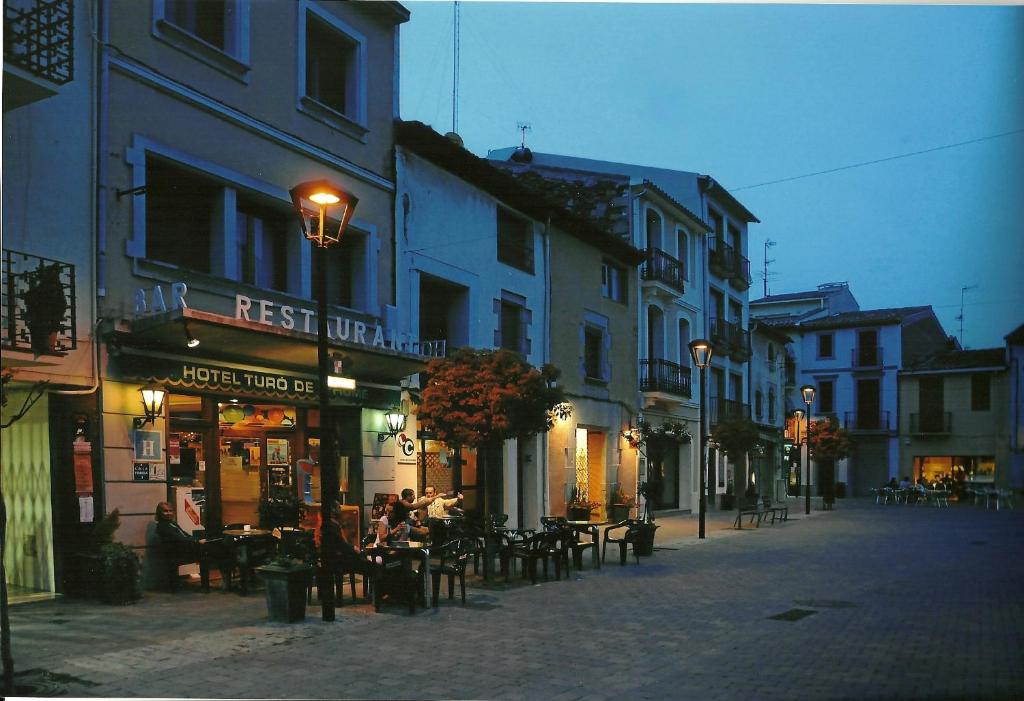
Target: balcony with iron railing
721, 258
38, 38
37, 309
660, 267
740, 278
720, 408
934, 423
862, 421
865, 357
658, 375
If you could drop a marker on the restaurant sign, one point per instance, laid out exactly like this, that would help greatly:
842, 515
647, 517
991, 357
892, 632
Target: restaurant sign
249, 382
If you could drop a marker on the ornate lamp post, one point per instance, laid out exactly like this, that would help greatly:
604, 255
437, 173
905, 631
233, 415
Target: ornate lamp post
807, 391
701, 351
311, 201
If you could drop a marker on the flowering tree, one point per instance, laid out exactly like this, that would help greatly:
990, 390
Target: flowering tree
736, 435
828, 443
479, 398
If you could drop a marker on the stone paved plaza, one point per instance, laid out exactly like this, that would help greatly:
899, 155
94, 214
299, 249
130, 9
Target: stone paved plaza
890, 602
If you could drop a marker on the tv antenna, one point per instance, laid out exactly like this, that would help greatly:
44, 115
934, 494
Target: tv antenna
768, 243
960, 317
455, 70
523, 127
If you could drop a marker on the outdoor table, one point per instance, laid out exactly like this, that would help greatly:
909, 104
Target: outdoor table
244, 543
408, 551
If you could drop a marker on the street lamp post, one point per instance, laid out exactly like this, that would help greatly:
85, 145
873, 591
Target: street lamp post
701, 351
311, 201
808, 394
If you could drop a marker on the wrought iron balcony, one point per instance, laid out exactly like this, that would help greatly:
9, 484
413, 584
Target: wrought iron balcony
867, 421
661, 267
38, 305
935, 423
722, 258
866, 357
740, 278
730, 339
39, 38
657, 375
720, 408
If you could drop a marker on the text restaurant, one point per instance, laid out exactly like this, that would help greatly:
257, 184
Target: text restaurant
242, 425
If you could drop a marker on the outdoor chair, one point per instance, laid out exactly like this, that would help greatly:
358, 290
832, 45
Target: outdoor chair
578, 546
630, 536
537, 547
454, 558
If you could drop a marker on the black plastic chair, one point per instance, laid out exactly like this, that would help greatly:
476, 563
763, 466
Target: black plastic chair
540, 546
454, 558
578, 546
630, 536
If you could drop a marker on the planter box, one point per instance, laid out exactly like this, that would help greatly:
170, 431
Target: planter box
286, 591
645, 545
620, 512
574, 514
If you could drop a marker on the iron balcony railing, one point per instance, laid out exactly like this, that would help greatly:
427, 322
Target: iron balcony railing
34, 317
657, 375
725, 408
722, 259
741, 272
38, 37
867, 421
932, 422
866, 357
730, 339
662, 267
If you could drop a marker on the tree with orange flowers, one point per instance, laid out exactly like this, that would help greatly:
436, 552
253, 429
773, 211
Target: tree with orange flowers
828, 443
480, 398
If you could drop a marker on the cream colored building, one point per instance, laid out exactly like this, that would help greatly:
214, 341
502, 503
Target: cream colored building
954, 418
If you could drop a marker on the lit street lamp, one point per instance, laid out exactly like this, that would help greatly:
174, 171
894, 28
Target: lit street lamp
701, 351
311, 201
808, 394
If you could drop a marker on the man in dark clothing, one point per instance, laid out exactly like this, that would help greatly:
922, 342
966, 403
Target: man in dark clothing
178, 544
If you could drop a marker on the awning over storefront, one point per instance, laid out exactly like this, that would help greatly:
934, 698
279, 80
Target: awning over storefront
237, 341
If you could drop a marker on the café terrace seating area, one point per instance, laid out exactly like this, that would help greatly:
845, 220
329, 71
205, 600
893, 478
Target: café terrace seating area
408, 572
940, 495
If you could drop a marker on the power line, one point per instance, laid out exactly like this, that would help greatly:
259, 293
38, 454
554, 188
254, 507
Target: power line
879, 160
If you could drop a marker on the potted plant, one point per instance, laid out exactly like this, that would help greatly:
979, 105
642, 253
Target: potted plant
280, 511
647, 527
45, 307
727, 501
620, 506
120, 581
103, 568
285, 582
579, 507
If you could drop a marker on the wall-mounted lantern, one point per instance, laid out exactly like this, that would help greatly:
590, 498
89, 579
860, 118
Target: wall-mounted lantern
395, 421
152, 404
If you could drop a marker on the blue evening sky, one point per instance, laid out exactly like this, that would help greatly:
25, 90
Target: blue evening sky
758, 93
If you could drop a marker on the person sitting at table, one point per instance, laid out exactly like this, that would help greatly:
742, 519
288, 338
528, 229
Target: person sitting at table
439, 505
386, 531
177, 544
892, 484
905, 483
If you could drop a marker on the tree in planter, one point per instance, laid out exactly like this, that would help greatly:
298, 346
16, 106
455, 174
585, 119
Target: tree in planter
736, 436
828, 443
480, 398
45, 306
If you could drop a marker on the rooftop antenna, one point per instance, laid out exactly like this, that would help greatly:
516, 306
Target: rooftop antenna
455, 71
523, 127
960, 317
768, 243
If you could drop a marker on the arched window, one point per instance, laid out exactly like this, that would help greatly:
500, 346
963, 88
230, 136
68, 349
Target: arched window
758, 404
655, 333
653, 230
684, 343
683, 251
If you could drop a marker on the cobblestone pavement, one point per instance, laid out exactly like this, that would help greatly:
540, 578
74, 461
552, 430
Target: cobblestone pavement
890, 602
